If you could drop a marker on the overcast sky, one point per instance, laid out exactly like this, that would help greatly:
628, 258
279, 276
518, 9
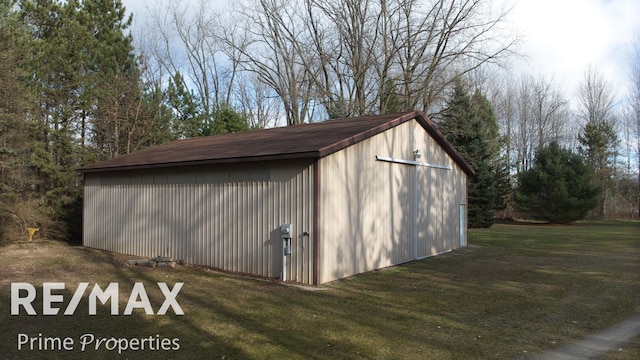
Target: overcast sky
561, 37
564, 37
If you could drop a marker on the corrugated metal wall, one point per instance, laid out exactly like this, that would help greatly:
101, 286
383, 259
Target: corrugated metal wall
368, 220
222, 216
440, 194
365, 206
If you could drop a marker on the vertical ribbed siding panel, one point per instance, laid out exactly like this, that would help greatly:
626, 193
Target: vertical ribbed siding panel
223, 229
167, 222
300, 263
441, 193
367, 206
181, 220
195, 224
299, 213
235, 241
209, 242
268, 267
207, 218
205, 201
242, 216
219, 220
256, 236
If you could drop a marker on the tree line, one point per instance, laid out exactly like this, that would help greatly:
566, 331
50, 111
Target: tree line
307, 60
77, 87
595, 123
75, 91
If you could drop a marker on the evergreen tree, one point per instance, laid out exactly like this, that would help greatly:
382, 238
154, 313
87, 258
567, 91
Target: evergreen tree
54, 61
558, 188
27, 167
498, 165
86, 85
337, 108
390, 101
597, 144
13, 137
189, 117
158, 116
470, 125
113, 78
48, 43
227, 120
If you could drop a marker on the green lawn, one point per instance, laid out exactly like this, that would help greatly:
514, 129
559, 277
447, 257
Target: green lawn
518, 289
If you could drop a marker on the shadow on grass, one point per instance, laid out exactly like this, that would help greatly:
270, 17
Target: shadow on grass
186, 329
518, 292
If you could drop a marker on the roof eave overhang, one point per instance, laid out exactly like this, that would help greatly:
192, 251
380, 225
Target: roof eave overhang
419, 116
230, 160
328, 150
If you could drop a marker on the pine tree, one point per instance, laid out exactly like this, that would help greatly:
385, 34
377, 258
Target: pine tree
227, 120
27, 167
470, 125
498, 165
189, 119
54, 62
113, 78
159, 118
87, 87
597, 144
558, 188
13, 137
390, 101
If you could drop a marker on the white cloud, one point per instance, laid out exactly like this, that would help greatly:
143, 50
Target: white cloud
564, 37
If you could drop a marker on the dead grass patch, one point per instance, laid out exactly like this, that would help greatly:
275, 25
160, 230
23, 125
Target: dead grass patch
519, 290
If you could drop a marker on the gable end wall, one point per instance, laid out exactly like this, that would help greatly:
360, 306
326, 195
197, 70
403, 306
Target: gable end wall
372, 215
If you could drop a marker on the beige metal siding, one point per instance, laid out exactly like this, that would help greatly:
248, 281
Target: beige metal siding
440, 194
225, 217
368, 219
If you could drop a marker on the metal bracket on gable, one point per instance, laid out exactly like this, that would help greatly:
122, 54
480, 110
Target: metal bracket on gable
409, 162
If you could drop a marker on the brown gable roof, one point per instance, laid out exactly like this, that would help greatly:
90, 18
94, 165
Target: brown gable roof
315, 140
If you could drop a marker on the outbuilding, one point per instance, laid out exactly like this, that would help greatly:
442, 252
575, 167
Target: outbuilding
309, 203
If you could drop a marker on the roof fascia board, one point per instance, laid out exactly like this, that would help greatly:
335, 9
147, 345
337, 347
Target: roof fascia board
435, 133
419, 116
367, 134
301, 155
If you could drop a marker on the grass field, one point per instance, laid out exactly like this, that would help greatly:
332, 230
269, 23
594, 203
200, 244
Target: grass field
518, 289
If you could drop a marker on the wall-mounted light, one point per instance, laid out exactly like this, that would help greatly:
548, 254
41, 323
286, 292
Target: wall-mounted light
417, 154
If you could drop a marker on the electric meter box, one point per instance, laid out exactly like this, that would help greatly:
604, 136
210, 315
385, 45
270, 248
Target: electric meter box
286, 230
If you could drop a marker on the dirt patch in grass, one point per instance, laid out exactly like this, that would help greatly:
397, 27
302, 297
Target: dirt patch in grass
519, 290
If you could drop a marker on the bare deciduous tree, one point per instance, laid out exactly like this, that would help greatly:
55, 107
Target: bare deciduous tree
549, 110
184, 40
596, 98
445, 39
267, 39
353, 57
598, 138
635, 103
531, 112
258, 102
